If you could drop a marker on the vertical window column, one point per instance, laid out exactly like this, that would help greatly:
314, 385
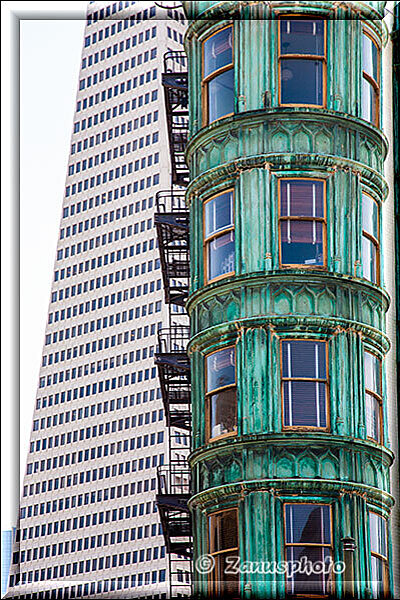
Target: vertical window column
217, 76
223, 543
221, 405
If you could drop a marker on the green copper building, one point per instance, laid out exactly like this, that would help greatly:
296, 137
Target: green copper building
291, 454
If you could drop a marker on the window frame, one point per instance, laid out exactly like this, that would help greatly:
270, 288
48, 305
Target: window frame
374, 395
383, 559
374, 84
212, 584
207, 396
319, 380
286, 545
323, 58
206, 80
372, 239
323, 220
207, 240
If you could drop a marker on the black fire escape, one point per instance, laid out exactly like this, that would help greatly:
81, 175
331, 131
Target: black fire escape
172, 223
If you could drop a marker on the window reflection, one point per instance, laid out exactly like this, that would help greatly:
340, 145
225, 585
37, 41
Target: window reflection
302, 226
221, 393
373, 396
370, 82
218, 80
219, 236
304, 383
378, 547
370, 239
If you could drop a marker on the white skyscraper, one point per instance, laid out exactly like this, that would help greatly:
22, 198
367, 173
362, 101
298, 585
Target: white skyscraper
89, 525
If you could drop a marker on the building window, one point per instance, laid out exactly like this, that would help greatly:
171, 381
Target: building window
218, 84
308, 533
219, 236
302, 222
304, 384
373, 396
379, 555
222, 544
370, 80
302, 62
221, 406
370, 239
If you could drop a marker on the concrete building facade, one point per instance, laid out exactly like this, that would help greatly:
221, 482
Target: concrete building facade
88, 523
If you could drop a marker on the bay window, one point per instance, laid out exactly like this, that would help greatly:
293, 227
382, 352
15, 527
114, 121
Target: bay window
221, 408
304, 384
217, 77
219, 236
302, 222
302, 61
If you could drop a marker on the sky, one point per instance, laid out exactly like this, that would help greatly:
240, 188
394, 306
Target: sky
50, 48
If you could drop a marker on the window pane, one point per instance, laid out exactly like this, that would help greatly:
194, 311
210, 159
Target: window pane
302, 37
377, 577
228, 584
370, 57
302, 243
369, 262
301, 81
217, 51
221, 255
308, 524
304, 404
368, 102
372, 373
373, 417
302, 583
304, 359
377, 532
223, 413
302, 198
218, 213
220, 96
221, 369
370, 216
223, 531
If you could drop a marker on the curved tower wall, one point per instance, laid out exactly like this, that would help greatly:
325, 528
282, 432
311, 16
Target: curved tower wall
261, 458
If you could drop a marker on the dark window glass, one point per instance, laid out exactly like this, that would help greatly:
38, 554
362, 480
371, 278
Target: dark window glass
304, 383
220, 96
302, 61
378, 546
370, 239
302, 37
302, 222
373, 396
308, 536
301, 81
223, 543
221, 393
370, 81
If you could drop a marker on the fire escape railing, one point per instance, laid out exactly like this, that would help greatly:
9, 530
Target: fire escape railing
172, 223
171, 219
175, 82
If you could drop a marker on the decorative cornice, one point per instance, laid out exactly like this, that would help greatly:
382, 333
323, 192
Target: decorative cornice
293, 276
290, 439
281, 487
